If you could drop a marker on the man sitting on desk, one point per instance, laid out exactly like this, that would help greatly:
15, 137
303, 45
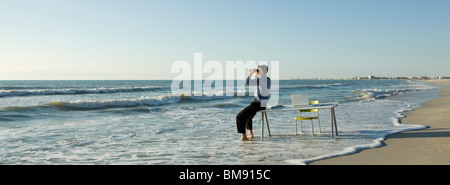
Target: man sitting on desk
262, 94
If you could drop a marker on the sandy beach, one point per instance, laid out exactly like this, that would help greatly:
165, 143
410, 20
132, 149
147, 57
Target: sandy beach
430, 146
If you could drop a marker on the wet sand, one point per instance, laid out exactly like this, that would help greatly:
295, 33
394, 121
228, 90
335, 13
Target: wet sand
422, 147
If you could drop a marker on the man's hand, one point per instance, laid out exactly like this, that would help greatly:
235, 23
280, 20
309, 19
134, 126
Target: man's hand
253, 71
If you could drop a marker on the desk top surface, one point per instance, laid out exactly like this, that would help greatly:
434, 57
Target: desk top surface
313, 106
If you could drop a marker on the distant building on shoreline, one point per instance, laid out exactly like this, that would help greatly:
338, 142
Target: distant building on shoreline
373, 77
442, 77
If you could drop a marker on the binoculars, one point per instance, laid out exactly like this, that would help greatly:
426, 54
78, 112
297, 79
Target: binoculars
257, 70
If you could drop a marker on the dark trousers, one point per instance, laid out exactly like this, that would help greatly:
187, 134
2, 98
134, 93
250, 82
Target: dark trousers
244, 118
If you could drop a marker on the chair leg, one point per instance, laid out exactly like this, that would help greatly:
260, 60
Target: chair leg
312, 127
301, 126
320, 130
295, 127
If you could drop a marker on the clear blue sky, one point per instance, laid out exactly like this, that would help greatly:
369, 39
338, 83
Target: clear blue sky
140, 39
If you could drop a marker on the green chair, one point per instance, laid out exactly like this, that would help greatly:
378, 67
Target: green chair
301, 118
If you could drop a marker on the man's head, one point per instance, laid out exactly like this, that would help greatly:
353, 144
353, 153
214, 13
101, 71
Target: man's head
263, 69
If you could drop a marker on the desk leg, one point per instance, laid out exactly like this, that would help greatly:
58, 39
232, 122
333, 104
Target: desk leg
332, 123
262, 125
334, 120
267, 122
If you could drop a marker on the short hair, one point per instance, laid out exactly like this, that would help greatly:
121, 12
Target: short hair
265, 68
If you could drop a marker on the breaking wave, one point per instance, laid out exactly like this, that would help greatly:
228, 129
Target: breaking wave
114, 103
134, 102
373, 94
33, 92
308, 86
120, 103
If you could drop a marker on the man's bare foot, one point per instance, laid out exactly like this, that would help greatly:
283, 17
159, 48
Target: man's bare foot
250, 134
244, 137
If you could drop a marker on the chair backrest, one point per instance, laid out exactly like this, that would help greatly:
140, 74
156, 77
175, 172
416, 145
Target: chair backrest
299, 100
314, 102
311, 110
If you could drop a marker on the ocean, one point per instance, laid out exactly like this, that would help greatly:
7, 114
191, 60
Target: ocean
142, 122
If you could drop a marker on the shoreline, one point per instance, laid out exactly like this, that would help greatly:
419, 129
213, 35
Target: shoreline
419, 147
